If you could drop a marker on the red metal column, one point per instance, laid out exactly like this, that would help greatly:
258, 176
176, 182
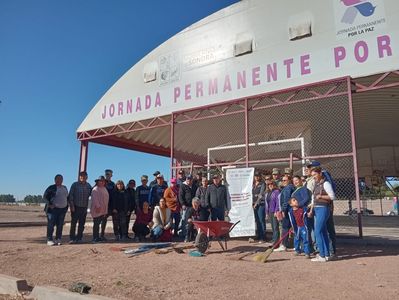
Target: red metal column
172, 145
84, 148
354, 153
246, 134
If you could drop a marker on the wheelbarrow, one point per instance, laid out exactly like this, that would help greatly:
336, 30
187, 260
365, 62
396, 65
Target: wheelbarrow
212, 229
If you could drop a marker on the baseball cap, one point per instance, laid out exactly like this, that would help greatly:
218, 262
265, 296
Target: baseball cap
275, 171
100, 178
156, 173
313, 163
189, 176
159, 176
173, 180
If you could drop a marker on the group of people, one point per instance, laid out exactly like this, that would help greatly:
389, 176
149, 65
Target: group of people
302, 205
161, 210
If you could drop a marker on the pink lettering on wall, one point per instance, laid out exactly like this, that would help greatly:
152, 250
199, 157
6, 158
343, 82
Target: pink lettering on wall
199, 91
241, 80
111, 110
305, 64
384, 46
129, 108
187, 92
120, 108
213, 87
227, 84
176, 93
288, 63
361, 51
255, 76
138, 104
157, 100
339, 55
147, 101
271, 72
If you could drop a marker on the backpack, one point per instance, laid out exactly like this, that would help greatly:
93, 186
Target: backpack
329, 178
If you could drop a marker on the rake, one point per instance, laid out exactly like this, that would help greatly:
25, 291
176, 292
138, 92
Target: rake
262, 257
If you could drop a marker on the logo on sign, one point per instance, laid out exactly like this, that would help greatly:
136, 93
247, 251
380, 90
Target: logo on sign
356, 7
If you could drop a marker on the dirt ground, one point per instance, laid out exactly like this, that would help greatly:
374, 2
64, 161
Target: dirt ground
360, 273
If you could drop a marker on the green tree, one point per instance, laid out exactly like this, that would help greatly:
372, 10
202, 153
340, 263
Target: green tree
7, 198
33, 199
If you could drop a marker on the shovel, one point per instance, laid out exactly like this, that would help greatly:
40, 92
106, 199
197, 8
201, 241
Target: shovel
262, 257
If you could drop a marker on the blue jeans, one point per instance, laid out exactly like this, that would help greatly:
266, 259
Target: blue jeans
157, 232
311, 235
217, 214
301, 236
320, 229
285, 225
79, 215
275, 227
260, 222
55, 217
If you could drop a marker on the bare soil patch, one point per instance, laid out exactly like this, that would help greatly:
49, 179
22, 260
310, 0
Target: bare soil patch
360, 273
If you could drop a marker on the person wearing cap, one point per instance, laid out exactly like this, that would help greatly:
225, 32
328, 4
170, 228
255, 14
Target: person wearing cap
216, 199
288, 171
131, 195
142, 192
157, 191
154, 182
200, 194
78, 199
285, 195
186, 194
181, 177
258, 203
173, 204
272, 207
99, 208
56, 207
276, 176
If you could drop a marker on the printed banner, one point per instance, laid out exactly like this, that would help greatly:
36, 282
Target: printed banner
239, 182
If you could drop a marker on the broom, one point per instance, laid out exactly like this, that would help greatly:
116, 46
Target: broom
265, 255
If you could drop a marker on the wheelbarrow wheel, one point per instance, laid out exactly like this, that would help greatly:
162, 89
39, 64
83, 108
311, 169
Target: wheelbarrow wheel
201, 242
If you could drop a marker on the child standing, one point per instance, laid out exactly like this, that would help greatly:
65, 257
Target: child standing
298, 220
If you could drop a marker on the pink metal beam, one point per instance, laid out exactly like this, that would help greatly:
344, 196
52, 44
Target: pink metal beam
246, 134
354, 151
84, 148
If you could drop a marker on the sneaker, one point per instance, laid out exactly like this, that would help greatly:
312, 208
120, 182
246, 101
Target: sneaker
281, 248
103, 239
318, 258
72, 242
297, 253
251, 240
307, 256
50, 243
58, 242
332, 257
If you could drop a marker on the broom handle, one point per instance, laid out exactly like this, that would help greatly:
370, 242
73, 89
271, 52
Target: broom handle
282, 238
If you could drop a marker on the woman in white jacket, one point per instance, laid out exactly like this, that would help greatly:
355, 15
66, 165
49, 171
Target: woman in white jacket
162, 222
99, 208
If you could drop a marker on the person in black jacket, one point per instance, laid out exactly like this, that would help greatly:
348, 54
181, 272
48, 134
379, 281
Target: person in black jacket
120, 206
216, 199
186, 194
131, 195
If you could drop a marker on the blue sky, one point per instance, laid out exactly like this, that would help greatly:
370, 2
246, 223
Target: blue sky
57, 58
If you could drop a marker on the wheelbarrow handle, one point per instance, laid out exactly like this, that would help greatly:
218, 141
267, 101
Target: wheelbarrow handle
232, 227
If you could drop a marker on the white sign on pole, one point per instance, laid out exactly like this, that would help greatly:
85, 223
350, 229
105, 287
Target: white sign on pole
239, 183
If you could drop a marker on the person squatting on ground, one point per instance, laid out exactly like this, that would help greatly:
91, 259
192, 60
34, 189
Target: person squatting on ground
162, 222
323, 195
78, 200
173, 204
192, 214
216, 199
120, 208
56, 207
99, 208
143, 222
258, 203
298, 218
